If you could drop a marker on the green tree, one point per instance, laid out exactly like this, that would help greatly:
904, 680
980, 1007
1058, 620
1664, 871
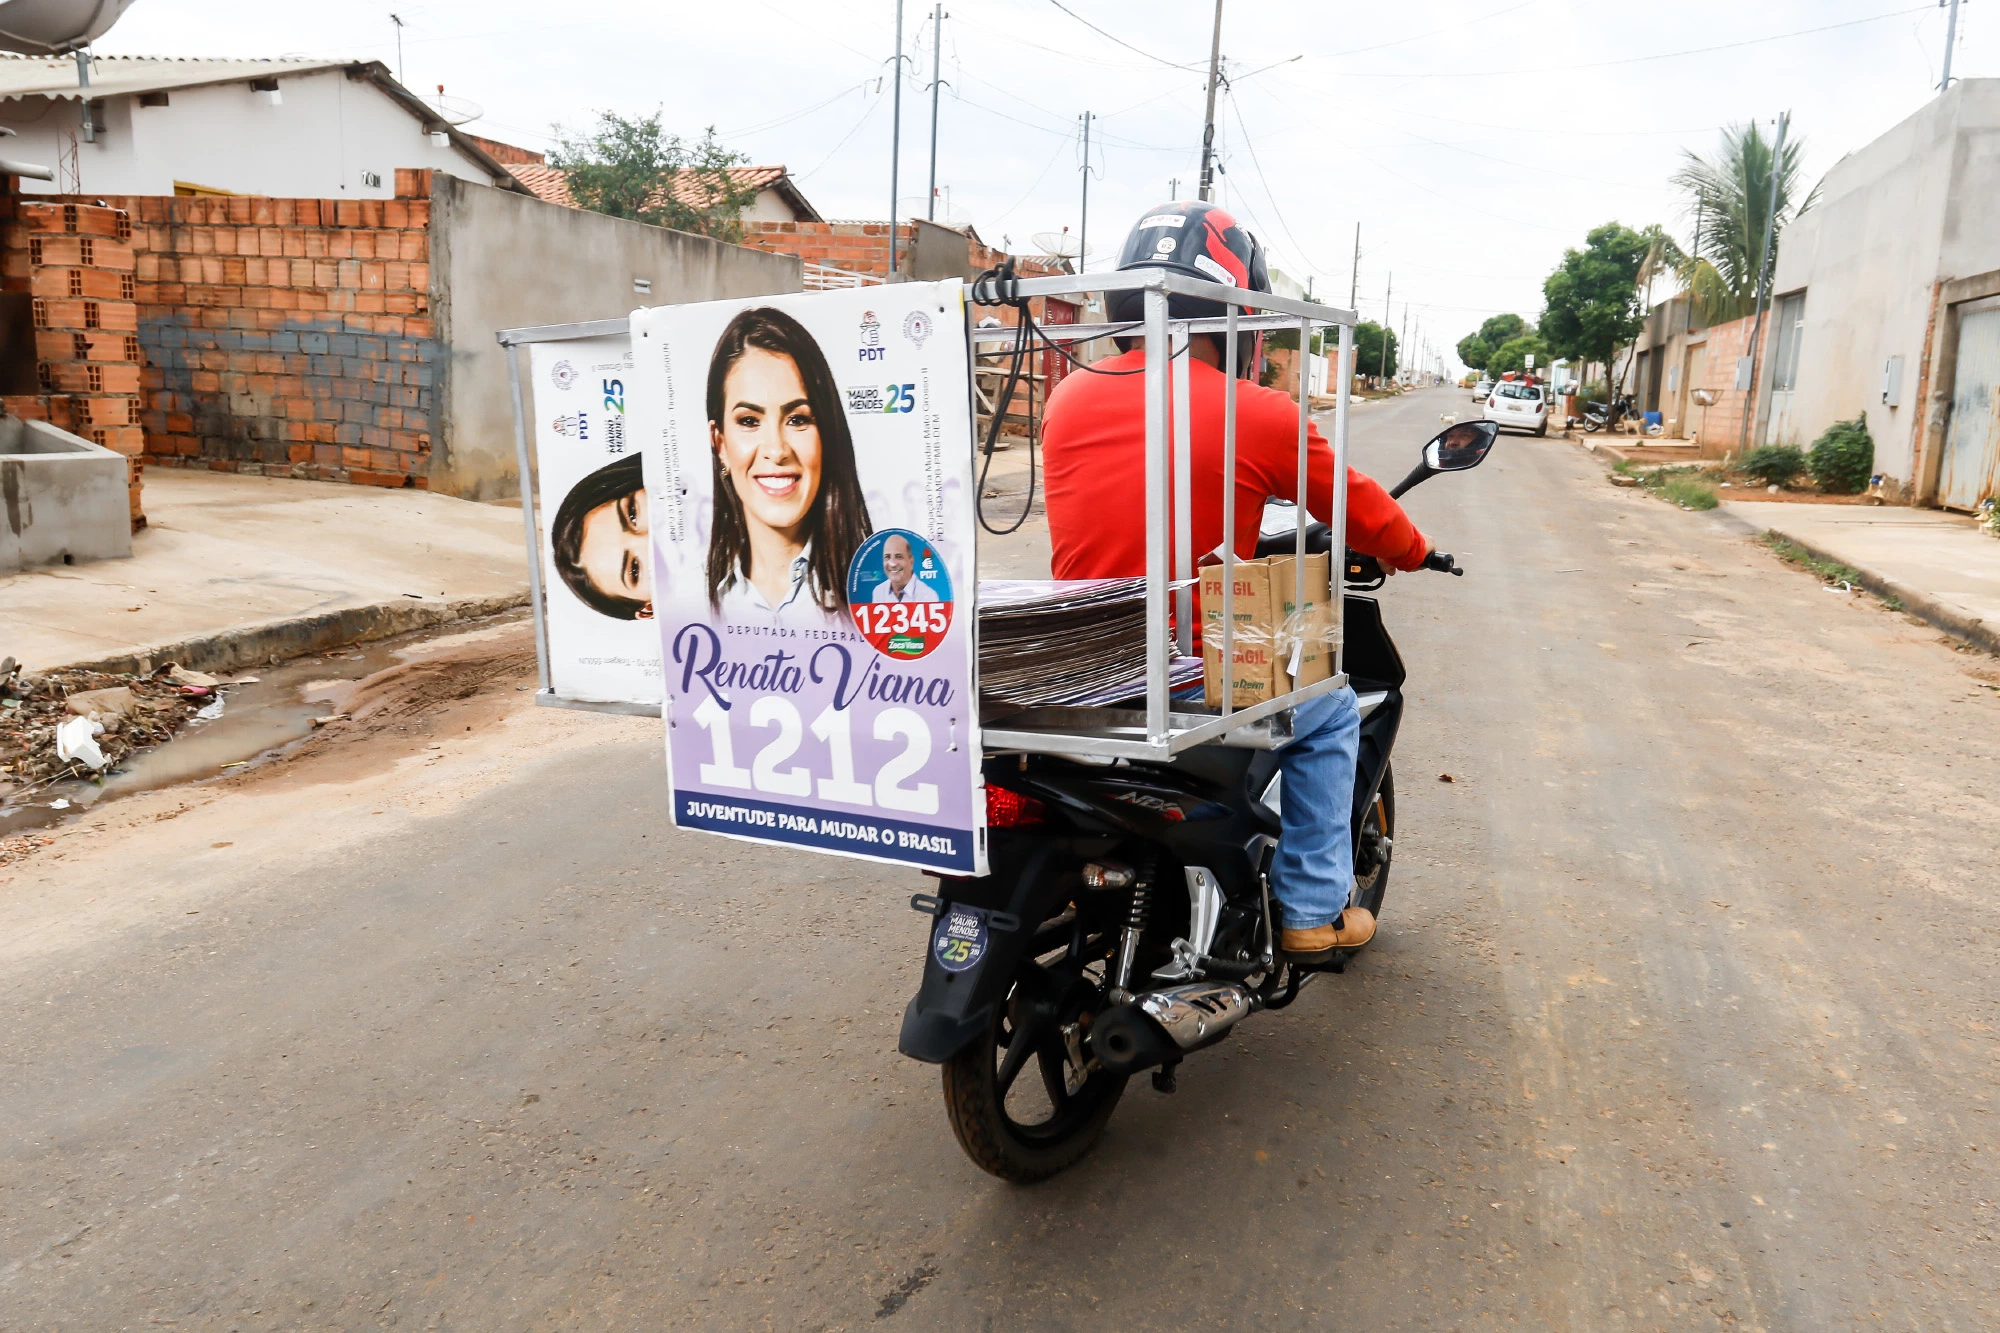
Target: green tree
1473, 351
1476, 349
1368, 349
1594, 305
1513, 355
1730, 193
632, 168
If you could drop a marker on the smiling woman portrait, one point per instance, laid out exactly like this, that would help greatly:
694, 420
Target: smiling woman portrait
789, 512
598, 539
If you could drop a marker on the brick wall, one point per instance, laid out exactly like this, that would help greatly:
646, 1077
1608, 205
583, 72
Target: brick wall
1721, 424
863, 247
288, 337
77, 261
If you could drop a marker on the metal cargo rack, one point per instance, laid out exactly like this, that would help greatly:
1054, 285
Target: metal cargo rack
1160, 730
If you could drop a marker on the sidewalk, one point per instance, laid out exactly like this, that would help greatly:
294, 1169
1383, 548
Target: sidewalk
242, 568
1939, 565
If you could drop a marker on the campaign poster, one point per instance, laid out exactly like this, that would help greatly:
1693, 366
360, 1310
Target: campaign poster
597, 568
809, 467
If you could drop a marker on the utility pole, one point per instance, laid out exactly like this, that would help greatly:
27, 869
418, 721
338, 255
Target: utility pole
1208, 118
1382, 372
1354, 279
1950, 40
896, 138
1405, 341
1764, 272
1174, 188
397, 19
1083, 229
937, 55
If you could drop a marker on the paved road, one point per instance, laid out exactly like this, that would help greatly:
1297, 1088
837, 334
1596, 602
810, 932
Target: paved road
1683, 1017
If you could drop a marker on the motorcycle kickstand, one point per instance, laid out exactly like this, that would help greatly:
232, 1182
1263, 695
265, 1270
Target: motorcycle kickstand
1164, 1079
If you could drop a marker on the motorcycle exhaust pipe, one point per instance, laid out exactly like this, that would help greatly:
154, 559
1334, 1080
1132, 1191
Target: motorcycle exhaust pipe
1164, 1025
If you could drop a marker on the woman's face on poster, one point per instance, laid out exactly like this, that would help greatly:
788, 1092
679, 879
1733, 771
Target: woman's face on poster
613, 551
768, 440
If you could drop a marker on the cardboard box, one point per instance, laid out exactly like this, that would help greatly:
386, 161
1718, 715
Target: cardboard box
1253, 647
1304, 637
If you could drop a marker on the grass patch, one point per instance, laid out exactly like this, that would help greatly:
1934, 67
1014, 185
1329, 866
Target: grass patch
1689, 493
1829, 571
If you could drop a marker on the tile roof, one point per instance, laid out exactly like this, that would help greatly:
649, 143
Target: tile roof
548, 183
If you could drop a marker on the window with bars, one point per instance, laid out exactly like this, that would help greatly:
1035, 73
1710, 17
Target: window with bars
1791, 327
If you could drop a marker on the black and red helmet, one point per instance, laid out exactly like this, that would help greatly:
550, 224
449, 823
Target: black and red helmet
1202, 240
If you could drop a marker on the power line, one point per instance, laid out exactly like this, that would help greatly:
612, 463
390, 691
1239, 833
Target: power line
1456, 27
1637, 60
1120, 40
1251, 143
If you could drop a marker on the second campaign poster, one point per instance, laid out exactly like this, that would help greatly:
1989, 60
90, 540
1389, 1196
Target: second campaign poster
809, 476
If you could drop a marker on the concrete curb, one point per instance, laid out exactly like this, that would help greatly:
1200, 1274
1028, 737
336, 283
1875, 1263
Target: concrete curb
299, 636
1971, 629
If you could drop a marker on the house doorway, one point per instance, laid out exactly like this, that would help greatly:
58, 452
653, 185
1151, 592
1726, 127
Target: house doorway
1969, 468
1694, 376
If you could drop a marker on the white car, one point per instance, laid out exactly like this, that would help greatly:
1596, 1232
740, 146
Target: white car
1518, 405
1481, 389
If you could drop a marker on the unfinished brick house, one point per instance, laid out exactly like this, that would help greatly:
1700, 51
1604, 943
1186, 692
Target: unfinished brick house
76, 261
341, 340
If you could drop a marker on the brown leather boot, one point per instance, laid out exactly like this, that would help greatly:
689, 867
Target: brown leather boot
1355, 928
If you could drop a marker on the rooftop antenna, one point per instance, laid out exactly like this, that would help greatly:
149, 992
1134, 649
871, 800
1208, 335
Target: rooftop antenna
397, 19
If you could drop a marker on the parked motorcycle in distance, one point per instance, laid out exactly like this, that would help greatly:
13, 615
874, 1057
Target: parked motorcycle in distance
1128, 921
1600, 416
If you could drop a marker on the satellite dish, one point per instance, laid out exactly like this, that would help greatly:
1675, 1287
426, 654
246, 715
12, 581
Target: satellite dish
55, 27
1058, 244
454, 110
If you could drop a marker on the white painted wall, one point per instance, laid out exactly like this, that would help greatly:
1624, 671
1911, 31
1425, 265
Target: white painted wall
1913, 208
316, 145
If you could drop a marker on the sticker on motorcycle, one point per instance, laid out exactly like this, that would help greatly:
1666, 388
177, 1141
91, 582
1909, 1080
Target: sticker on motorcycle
960, 941
899, 593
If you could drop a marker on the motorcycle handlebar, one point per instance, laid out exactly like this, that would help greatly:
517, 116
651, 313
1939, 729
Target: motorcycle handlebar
1443, 564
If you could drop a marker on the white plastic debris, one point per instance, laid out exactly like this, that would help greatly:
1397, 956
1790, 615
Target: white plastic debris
75, 740
211, 712
59, 803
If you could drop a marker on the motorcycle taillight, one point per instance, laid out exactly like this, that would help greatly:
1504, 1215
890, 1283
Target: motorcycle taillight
1010, 809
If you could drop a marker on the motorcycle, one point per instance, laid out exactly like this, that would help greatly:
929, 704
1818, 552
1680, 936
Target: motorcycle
1600, 416
1127, 920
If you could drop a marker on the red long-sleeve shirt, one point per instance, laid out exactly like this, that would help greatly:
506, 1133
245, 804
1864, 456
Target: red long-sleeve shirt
1094, 454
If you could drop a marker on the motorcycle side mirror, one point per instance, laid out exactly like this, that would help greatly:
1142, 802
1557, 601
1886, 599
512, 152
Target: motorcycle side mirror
1456, 448
1453, 449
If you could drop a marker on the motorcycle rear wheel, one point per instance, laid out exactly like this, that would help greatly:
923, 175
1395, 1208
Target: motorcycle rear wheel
1591, 425
984, 1091
1377, 844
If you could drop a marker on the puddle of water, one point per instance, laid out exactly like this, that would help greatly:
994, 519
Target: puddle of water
260, 718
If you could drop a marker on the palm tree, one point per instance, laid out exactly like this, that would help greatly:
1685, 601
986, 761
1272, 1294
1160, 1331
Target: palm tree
1730, 194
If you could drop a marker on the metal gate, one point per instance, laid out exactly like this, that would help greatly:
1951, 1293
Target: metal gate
1970, 468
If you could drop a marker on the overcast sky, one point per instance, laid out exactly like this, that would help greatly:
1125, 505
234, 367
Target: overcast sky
1472, 140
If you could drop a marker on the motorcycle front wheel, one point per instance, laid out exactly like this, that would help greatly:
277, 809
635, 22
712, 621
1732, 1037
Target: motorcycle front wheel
1023, 1100
1592, 425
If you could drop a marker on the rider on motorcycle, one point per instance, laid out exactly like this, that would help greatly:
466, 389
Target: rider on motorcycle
1093, 443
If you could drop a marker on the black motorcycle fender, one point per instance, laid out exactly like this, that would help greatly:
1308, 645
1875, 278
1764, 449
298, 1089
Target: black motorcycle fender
951, 1009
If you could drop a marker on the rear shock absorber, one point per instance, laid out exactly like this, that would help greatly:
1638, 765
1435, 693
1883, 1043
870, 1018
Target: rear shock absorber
1135, 929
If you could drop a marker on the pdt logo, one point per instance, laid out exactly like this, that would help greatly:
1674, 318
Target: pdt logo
871, 337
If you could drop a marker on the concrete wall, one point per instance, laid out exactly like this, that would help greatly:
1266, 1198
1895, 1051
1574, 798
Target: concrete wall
1894, 220
316, 145
503, 260
62, 499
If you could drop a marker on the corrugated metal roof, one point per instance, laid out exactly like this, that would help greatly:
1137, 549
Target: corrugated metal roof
113, 76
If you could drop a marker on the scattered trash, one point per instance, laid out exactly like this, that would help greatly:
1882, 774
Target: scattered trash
1845, 586
103, 705
222, 844
1578, 570
236, 763
329, 719
59, 803
180, 675
244, 680
75, 739
211, 712
1772, 489
1446, 777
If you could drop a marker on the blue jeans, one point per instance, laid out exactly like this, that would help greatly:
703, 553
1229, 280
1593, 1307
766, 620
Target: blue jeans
1313, 871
